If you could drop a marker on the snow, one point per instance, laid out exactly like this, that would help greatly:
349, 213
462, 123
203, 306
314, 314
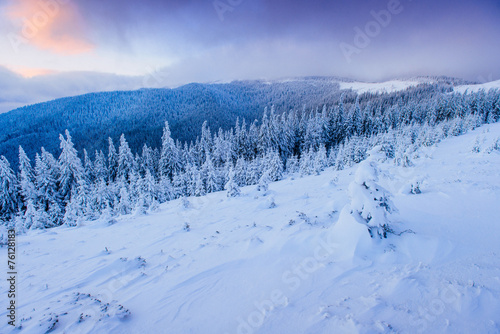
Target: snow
475, 88
378, 87
303, 265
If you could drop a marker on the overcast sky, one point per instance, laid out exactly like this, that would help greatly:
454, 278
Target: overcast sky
55, 48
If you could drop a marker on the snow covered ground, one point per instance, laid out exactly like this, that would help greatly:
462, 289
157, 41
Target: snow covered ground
379, 87
291, 261
475, 88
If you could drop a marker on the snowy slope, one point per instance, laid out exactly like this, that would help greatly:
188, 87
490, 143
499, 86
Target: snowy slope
379, 87
475, 88
302, 265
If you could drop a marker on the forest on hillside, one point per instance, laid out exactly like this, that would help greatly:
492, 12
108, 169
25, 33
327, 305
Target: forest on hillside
75, 186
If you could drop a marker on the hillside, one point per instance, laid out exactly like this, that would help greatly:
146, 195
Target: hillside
293, 259
140, 115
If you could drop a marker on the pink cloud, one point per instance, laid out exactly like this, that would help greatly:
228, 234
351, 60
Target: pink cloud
53, 25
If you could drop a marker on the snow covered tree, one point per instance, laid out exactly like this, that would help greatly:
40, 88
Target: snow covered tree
9, 189
370, 203
100, 169
126, 161
233, 190
209, 175
240, 172
71, 169
264, 181
272, 162
306, 164
26, 179
32, 218
292, 165
253, 172
112, 161
199, 186
166, 191
170, 156
78, 209
149, 189
47, 172
320, 160
124, 205
88, 167
102, 198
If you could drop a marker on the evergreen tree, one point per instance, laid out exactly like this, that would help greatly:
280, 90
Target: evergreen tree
370, 203
9, 189
88, 167
124, 205
209, 175
170, 157
272, 163
26, 179
320, 160
112, 161
306, 164
100, 169
264, 181
292, 165
71, 169
240, 172
126, 161
233, 190
47, 171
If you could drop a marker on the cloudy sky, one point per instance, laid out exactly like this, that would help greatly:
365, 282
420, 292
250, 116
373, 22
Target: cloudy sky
55, 48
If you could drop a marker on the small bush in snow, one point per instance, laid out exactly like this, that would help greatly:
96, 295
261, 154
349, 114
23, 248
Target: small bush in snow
415, 188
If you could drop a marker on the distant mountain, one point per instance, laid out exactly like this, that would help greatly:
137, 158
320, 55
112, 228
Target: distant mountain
141, 114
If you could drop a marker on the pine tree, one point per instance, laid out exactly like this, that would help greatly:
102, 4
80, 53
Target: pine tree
88, 167
233, 190
306, 164
170, 156
112, 161
126, 161
370, 203
339, 158
124, 205
9, 189
320, 160
253, 172
47, 171
149, 189
100, 169
264, 181
240, 172
26, 179
166, 190
78, 209
71, 168
292, 165
102, 197
209, 175
180, 186
272, 162
30, 219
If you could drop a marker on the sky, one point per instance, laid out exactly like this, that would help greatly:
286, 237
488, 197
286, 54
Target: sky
56, 48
